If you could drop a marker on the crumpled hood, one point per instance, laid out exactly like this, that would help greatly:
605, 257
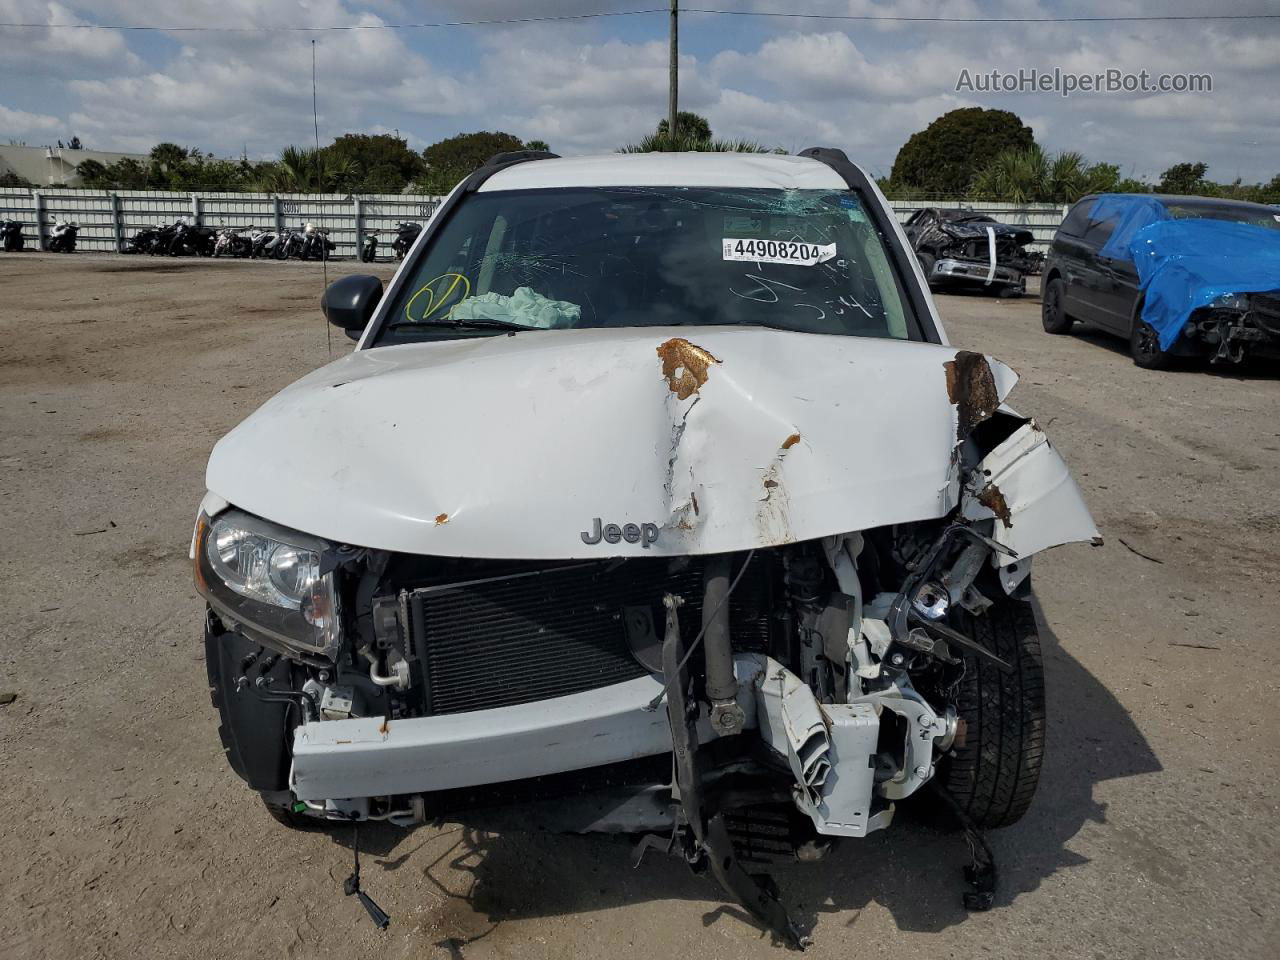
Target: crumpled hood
706, 439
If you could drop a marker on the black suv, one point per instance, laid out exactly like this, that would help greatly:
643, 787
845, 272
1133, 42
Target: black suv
1083, 284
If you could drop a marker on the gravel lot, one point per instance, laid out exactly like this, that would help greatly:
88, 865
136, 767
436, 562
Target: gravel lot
1153, 835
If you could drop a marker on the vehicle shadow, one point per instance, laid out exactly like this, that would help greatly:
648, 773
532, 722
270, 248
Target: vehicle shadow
1249, 370
913, 869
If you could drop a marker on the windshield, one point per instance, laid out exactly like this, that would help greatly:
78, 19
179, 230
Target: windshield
805, 260
1259, 216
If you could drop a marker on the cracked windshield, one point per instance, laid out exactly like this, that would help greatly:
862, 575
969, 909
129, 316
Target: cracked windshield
804, 260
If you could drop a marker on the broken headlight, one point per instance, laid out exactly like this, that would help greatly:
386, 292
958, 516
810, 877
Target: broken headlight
266, 579
1230, 301
931, 600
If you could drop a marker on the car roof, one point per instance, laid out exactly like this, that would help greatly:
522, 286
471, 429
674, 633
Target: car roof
1187, 200
745, 170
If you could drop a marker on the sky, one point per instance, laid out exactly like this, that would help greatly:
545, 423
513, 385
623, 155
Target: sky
592, 85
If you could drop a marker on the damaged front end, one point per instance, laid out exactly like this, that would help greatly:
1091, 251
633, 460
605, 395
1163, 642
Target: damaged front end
968, 249
1235, 327
790, 629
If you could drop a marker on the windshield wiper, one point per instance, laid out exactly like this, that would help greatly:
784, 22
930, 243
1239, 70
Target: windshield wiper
475, 323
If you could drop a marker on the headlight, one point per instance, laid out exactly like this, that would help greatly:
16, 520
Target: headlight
267, 579
1230, 301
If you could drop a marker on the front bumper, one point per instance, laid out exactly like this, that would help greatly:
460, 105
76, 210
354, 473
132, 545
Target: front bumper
371, 756
976, 271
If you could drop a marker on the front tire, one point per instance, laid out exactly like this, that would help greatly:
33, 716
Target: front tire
993, 774
294, 821
927, 260
1053, 312
1144, 346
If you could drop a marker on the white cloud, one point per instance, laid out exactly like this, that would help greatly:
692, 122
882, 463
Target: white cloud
595, 85
16, 123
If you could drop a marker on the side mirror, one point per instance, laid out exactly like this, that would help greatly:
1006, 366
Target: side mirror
349, 303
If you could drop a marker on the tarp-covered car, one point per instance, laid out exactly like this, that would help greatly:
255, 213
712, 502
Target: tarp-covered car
652, 501
961, 248
1176, 276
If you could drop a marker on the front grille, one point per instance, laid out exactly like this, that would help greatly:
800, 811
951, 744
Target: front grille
517, 634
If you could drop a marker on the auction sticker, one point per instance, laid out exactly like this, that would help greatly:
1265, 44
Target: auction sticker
778, 251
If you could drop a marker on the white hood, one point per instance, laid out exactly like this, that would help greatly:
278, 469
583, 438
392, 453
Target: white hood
720, 438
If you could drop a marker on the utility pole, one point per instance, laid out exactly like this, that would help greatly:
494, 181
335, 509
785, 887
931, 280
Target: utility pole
674, 70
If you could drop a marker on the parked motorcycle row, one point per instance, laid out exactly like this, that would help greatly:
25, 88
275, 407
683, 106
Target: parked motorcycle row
62, 236
405, 233
187, 238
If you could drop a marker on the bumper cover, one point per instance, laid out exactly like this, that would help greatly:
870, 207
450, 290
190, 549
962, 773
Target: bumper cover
383, 757
972, 270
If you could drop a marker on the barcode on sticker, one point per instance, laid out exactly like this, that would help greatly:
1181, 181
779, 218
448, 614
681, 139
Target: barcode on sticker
778, 251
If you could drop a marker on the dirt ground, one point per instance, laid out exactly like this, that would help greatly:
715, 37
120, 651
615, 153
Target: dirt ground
1154, 833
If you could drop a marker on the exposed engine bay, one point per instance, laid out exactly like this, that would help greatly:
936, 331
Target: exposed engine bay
775, 698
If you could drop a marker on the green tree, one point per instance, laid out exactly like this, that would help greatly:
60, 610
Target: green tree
374, 163
661, 143
1185, 178
93, 173
945, 157
688, 124
537, 145
452, 159
1030, 175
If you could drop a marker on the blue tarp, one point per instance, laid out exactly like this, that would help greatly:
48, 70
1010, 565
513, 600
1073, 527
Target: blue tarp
1186, 264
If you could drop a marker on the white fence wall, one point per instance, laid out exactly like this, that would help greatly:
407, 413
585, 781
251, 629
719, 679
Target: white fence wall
109, 218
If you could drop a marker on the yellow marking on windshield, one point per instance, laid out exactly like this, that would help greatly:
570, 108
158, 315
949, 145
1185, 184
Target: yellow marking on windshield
440, 293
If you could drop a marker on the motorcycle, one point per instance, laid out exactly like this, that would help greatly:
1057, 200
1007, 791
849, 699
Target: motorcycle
262, 243
11, 238
406, 234
290, 245
63, 237
192, 240
144, 240
316, 244
231, 242
369, 249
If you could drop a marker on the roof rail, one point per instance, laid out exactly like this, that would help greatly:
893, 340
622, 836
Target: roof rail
508, 157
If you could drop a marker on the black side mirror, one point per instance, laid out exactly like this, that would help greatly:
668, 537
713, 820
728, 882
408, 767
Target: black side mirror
349, 303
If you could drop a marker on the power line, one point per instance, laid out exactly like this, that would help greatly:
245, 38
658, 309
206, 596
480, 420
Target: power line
557, 18
336, 27
893, 18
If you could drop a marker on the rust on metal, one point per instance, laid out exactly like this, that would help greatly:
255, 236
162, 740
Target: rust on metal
684, 366
993, 500
791, 441
442, 518
972, 388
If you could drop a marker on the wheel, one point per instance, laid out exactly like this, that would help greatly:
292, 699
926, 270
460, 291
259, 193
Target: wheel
993, 772
1053, 312
927, 260
1144, 346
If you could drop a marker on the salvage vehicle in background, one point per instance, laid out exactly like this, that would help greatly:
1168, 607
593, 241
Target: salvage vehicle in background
960, 248
1175, 276
710, 536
